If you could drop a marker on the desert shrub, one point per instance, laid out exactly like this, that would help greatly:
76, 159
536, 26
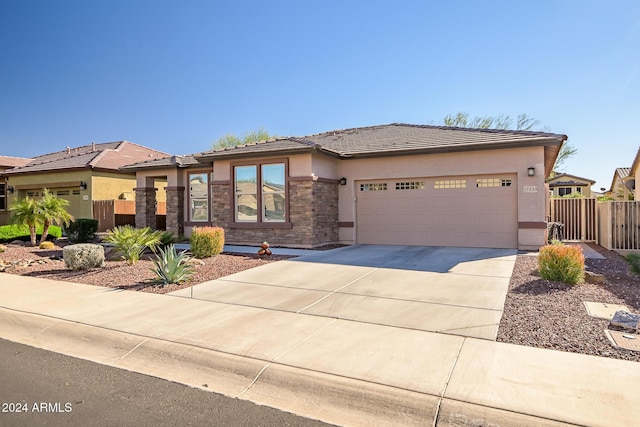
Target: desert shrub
171, 266
561, 263
82, 230
21, 232
47, 245
206, 241
633, 258
130, 242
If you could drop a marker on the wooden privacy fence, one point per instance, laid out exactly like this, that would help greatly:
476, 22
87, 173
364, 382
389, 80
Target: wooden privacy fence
113, 213
620, 225
578, 216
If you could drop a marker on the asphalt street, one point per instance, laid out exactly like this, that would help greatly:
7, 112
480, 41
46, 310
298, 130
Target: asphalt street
39, 387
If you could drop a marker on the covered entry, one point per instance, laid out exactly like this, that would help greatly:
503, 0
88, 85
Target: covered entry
465, 211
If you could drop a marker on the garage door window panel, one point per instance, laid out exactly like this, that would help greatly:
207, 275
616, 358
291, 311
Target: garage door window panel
449, 183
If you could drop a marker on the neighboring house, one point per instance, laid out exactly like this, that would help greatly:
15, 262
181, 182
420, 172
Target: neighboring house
620, 188
7, 162
81, 175
564, 185
634, 175
394, 184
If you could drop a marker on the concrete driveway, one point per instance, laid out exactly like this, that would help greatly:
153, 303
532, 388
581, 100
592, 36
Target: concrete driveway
459, 291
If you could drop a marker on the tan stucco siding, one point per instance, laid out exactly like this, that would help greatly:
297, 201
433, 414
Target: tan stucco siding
530, 192
106, 186
80, 208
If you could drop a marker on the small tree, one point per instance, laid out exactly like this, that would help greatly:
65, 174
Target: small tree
231, 140
26, 211
52, 211
523, 122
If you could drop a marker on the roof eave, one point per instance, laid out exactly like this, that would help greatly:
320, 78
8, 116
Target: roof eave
232, 154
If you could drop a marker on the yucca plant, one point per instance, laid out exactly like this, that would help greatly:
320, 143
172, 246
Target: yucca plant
131, 242
171, 266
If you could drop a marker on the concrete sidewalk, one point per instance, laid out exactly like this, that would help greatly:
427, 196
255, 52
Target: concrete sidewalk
338, 371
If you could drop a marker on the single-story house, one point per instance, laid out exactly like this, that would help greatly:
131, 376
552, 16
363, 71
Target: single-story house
392, 184
7, 162
80, 175
621, 187
564, 185
634, 175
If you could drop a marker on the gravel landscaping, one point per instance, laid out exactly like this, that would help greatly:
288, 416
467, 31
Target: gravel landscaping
540, 313
537, 312
117, 274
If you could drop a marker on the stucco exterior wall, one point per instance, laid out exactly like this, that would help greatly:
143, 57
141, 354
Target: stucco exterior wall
531, 190
80, 208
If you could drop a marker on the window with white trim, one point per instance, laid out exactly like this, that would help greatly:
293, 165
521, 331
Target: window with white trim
450, 183
3, 196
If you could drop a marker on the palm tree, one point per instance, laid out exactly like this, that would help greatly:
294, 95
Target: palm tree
26, 211
52, 210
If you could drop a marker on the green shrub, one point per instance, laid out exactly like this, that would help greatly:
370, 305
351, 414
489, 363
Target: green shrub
633, 258
172, 267
21, 232
167, 239
131, 242
207, 241
47, 245
82, 230
561, 263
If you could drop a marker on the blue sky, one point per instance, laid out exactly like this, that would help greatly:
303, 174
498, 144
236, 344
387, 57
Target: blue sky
176, 76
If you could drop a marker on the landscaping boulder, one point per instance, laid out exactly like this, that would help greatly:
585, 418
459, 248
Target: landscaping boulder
624, 319
3, 248
83, 256
595, 278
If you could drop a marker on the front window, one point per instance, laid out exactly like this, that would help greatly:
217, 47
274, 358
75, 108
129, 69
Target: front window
3, 196
246, 193
198, 197
266, 203
564, 191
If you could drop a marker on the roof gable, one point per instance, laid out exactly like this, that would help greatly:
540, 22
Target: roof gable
108, 156
565, 178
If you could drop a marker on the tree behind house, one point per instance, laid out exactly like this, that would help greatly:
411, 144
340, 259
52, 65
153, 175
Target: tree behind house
522, 122
231, 140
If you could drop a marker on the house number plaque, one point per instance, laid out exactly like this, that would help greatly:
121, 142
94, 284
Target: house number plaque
530, 189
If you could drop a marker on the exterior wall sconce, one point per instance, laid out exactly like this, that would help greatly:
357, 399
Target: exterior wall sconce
83, 185
10, 189
531, 171
343, 181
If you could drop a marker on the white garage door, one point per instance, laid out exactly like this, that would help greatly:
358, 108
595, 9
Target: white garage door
474, 211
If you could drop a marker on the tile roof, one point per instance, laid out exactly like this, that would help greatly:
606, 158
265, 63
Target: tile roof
12, 162
395, 138
107, 156
164, 162
568, 179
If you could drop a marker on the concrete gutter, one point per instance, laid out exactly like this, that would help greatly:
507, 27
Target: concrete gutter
338, 371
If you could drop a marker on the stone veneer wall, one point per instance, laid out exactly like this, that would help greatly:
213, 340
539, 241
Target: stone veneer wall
175, 210
145, 207
313, 213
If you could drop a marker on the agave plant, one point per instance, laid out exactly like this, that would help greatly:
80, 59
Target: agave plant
131, 242
171, 266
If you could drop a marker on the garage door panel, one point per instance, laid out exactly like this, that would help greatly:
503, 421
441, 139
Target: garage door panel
470, 216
